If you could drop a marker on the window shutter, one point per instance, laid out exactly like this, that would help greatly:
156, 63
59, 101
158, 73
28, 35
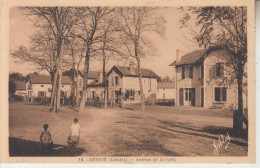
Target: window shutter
183, 72
217, 94
191, 72
224, 94
221, 69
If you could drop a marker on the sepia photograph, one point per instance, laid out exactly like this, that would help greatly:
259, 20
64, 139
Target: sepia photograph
131, 84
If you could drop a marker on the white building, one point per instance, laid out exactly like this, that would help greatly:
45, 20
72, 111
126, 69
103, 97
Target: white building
165, 92
124, 81
39, 86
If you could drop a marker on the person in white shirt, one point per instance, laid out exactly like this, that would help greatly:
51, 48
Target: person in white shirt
73, 138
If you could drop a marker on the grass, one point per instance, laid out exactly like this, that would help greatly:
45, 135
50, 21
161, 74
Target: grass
157, 131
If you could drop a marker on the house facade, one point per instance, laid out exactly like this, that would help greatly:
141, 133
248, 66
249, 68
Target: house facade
20, 88
95, 85
202, 80
39, 86
123, 84
165, 92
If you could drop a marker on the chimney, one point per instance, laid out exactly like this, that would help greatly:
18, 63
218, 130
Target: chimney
177, 55
132, 68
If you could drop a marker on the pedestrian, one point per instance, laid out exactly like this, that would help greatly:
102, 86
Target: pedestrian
45, 138
73, 138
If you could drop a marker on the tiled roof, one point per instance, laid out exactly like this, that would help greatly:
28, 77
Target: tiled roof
126, 72
95, 83
91, 74
20, 85
46, 79
165, 85
190, 58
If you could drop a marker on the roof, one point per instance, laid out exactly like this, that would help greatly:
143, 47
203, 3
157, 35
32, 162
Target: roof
91, 74
95, 83
125, 71
46, 79
190, 58
20, 85
165, 85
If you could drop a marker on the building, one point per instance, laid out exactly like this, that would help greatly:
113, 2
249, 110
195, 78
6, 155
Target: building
123, 84
202, 80
20, 88
95, 85
39, 86
165, 92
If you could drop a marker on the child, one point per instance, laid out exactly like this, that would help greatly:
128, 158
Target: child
45, 137
73, 138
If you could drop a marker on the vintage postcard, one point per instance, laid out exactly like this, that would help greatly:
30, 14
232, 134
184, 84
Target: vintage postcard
128, 82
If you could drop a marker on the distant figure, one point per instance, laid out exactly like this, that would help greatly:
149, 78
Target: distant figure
73, 138
45, 137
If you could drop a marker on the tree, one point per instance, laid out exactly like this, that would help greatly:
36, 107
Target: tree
225, 28
108, 47
16, 76
12, 87
56, 23
75, 51
41, 54
88, 31
135, 23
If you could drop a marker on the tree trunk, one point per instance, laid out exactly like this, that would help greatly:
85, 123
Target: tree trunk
59, 91
141, 84
85, 82
53, 90
238, 120
104, 80
139, 73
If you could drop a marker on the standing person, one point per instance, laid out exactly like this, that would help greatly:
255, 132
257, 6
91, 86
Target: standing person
73, 138
45, 138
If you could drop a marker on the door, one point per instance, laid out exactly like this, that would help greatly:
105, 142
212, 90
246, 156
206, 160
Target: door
202, 97
117, 96
181, 96
193, 96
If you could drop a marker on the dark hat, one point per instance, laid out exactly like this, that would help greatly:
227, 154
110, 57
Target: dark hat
45, 126
76, 120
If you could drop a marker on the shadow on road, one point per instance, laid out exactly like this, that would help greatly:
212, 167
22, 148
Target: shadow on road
224, 130
207, 132
21, 147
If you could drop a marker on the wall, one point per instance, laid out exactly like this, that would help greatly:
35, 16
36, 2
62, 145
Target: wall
37, 87
113, 88
127, 83
195, 82
168, 92
211, 81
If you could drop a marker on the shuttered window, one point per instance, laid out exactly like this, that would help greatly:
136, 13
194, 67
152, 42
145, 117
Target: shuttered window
191, 72
220, 69
183, 73
220, 94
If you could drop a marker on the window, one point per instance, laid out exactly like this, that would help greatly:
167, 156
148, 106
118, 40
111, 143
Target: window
219, 69
220, 94
191, 72
202, 71
112, 81
116, 80
183, 73
41, 94
188, 94
42, 85
62, 85
93, 94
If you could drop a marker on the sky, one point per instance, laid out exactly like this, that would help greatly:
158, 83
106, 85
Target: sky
21, 29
